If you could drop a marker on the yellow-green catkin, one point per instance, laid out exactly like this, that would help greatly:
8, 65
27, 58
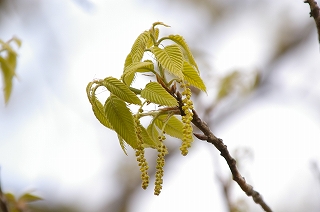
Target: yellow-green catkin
186, 120
162, 151
142, 162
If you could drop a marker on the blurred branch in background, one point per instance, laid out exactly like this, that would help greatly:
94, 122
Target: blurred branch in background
85, 4
315, 13
316, 170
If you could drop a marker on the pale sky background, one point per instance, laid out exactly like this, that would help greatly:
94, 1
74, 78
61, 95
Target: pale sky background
51, 142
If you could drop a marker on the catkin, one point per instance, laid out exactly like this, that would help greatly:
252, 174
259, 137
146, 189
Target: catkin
142, 162
162, 151
186, 120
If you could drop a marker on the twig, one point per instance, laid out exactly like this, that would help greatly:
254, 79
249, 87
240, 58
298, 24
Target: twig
218, 143
315, 13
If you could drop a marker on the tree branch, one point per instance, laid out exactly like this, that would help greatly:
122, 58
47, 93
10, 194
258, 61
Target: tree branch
218, 143
315, 13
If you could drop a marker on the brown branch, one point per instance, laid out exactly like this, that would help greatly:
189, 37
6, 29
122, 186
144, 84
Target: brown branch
201, 136
315, 13
218, 143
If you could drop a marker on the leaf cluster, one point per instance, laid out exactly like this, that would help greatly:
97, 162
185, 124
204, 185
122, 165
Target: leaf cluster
173, 70
8, 63
173, 64
21, 203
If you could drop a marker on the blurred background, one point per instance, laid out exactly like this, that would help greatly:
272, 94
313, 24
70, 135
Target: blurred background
260, 61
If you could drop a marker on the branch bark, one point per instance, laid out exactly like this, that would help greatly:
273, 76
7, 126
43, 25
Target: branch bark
218, 143
315, 13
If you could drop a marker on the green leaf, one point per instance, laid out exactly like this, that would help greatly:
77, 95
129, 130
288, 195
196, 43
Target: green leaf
148, 140
8, 74
122, 91
227, 84
159, 23
170, 58
137, 65
155, 93
173, 126
122, 144
178, 39
129, 77
10, 198
98, 111
29, 198
139, 46
17, 40
121, 119
89, 90
153, 131
192, 76
6, 46
97, 107
129, 71
128, 60
12, 60
8, 65
155, 34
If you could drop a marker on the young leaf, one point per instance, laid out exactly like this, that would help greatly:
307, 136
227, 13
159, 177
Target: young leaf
29, 198
178, 39
122, 144
17, 40
7, 47
97, 107
8, 74
148, 140
128, 60
173, 126
153, 131
12, 61
155, 93
129, 71
89, 90
139, 46
128, 79
170, 58
137, 65
227, 84
98, 111
155, 34
159, 23
121, 119
192, 76
10, 198
122, 91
